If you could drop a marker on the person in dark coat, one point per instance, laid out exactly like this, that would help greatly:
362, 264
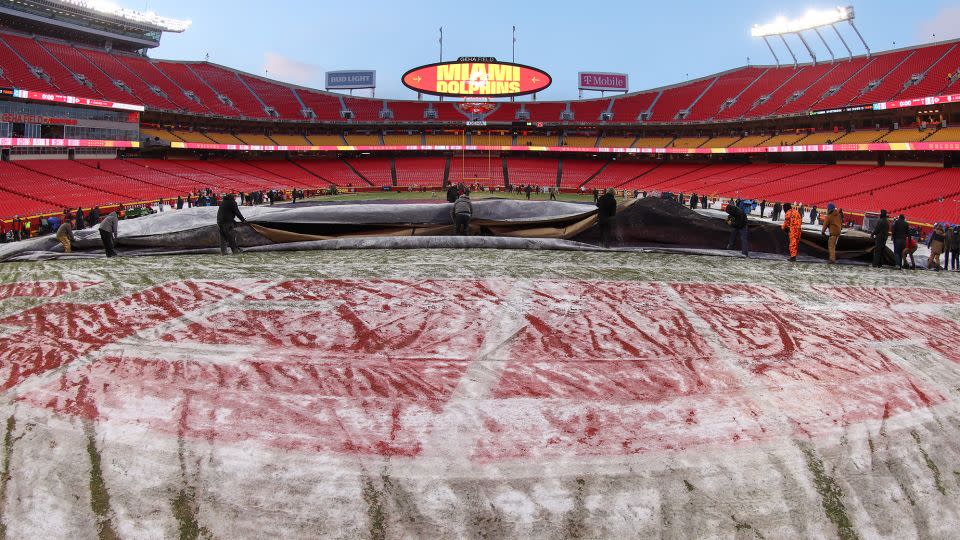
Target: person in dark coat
880, 232
596, 196
227, 215
814, 215
17, 227
462, 213
93, 217
900, 232
452, 194
777, 208
179, 202
528, 190
955, 249
694, 199
78, 221
108, 232
607, 209
763, 206
737, 219
703, 201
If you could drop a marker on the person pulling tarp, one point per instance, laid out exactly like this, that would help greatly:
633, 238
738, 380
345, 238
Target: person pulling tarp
462, 212
227, 215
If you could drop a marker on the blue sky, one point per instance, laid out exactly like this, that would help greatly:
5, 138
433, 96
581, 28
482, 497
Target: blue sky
656, 43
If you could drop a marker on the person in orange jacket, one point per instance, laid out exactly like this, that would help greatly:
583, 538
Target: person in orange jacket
792, 223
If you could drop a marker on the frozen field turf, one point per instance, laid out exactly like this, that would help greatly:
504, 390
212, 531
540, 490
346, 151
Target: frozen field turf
389, 394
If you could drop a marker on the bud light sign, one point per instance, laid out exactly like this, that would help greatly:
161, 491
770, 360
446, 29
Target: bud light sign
613, 82
351, 79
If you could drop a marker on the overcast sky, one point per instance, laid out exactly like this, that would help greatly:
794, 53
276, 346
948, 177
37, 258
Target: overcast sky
656, 43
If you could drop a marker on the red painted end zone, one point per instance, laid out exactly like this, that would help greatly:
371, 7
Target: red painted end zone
379, 366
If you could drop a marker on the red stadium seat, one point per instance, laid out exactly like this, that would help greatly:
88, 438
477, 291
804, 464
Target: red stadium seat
421, 171
533, 171
375, 170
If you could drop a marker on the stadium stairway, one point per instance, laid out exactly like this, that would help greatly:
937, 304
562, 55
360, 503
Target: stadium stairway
290, 172
620, 175
312, 172
660, 176
356, 172
802, 187
935, 80
148, 189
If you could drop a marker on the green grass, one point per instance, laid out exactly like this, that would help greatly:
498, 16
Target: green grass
441, 195
123, 275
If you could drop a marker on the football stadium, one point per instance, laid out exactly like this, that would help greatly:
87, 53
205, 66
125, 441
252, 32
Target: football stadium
237, 306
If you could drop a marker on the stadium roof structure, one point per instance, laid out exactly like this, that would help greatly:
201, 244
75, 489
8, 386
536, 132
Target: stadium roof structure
94, 21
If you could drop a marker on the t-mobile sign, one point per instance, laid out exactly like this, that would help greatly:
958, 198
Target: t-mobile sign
614, 82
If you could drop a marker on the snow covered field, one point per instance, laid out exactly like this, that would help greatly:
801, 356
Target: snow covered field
480, 393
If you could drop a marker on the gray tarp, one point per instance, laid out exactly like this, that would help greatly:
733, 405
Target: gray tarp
497, 223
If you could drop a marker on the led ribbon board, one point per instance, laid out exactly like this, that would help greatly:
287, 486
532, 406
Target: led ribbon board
487, 78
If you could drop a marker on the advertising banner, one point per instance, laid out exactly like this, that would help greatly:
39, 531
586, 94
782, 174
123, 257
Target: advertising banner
596, 80
351, 79
917, 102
866, 147
72, 100
67, 143
486, 79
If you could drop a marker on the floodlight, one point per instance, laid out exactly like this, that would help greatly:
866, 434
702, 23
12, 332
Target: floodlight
109, 8
810, 20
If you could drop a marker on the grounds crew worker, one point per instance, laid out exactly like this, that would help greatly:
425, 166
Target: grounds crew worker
108, 233
834, 225
607, 205
65, 235
879, 235
793, 224
900, 232
737, 219
226, 214
462, 212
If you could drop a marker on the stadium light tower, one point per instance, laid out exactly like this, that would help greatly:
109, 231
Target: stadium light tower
812, 20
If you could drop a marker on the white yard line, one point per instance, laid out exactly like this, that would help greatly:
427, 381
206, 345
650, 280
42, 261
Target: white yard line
787, 453
455, 430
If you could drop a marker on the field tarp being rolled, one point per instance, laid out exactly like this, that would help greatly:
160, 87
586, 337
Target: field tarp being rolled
640, 223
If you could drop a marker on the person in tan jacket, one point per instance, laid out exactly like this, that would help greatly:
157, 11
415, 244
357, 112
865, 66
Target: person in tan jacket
65, 235
834, 224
